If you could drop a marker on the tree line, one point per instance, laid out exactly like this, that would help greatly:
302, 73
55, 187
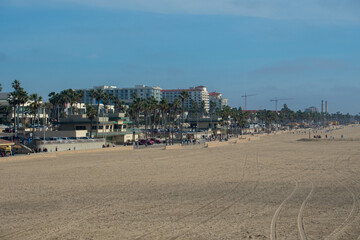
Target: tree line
153, 114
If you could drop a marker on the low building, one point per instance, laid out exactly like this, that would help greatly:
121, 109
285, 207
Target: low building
206, 123
114, 125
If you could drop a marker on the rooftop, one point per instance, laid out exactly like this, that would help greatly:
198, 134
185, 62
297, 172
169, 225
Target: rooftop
5, 142
214, 94
4, 96
180, 90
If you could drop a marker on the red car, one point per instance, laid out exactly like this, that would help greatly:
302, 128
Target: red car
145, 142
157, 141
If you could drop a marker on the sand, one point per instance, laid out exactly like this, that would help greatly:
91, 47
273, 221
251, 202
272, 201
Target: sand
275, 188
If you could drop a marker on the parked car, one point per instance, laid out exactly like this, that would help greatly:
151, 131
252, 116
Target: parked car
56, 139
157, 141
146, 142
9, 130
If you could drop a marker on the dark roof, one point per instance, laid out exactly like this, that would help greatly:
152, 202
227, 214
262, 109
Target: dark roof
214, 94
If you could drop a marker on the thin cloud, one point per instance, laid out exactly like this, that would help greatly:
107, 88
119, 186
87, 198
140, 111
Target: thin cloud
320, 10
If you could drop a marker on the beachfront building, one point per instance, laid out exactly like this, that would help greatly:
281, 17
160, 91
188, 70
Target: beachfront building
217, 101
205, 123
197, 94
113, 122
114, 125
124, 94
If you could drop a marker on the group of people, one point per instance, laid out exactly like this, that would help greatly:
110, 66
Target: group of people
189, 141
41, 150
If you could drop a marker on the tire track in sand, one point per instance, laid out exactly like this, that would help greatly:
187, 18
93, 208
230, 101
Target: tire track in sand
202, 207
354, 180
225, 208
351, 171
302, 232
277, 212
353, 212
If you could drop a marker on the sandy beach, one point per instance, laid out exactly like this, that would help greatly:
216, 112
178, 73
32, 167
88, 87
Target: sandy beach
275, 188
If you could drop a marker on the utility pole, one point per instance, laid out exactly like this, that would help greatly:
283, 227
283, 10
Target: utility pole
246, 96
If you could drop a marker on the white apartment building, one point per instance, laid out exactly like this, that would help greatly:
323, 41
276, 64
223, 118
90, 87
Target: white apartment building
198, 94
218, 100
125, 94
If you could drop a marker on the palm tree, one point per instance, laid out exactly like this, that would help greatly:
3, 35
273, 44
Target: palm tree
225, 116
55, 100
34, 106
0, 87
138, 106
174, 108
71, 97
99, 96
243, 119
164, 109
77, 98
212, 111
64, 99
23, 98
183, 96
153, 107
91, 114
119, 106
16, 85
146, 109
13, 101
193, 111
267, 117
107, 98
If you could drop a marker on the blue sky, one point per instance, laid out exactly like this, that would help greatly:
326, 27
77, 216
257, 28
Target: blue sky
304, 50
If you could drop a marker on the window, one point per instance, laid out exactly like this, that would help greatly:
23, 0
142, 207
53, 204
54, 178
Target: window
80, 128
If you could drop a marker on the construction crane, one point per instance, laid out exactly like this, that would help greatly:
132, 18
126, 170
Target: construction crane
246, 96
276, 100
